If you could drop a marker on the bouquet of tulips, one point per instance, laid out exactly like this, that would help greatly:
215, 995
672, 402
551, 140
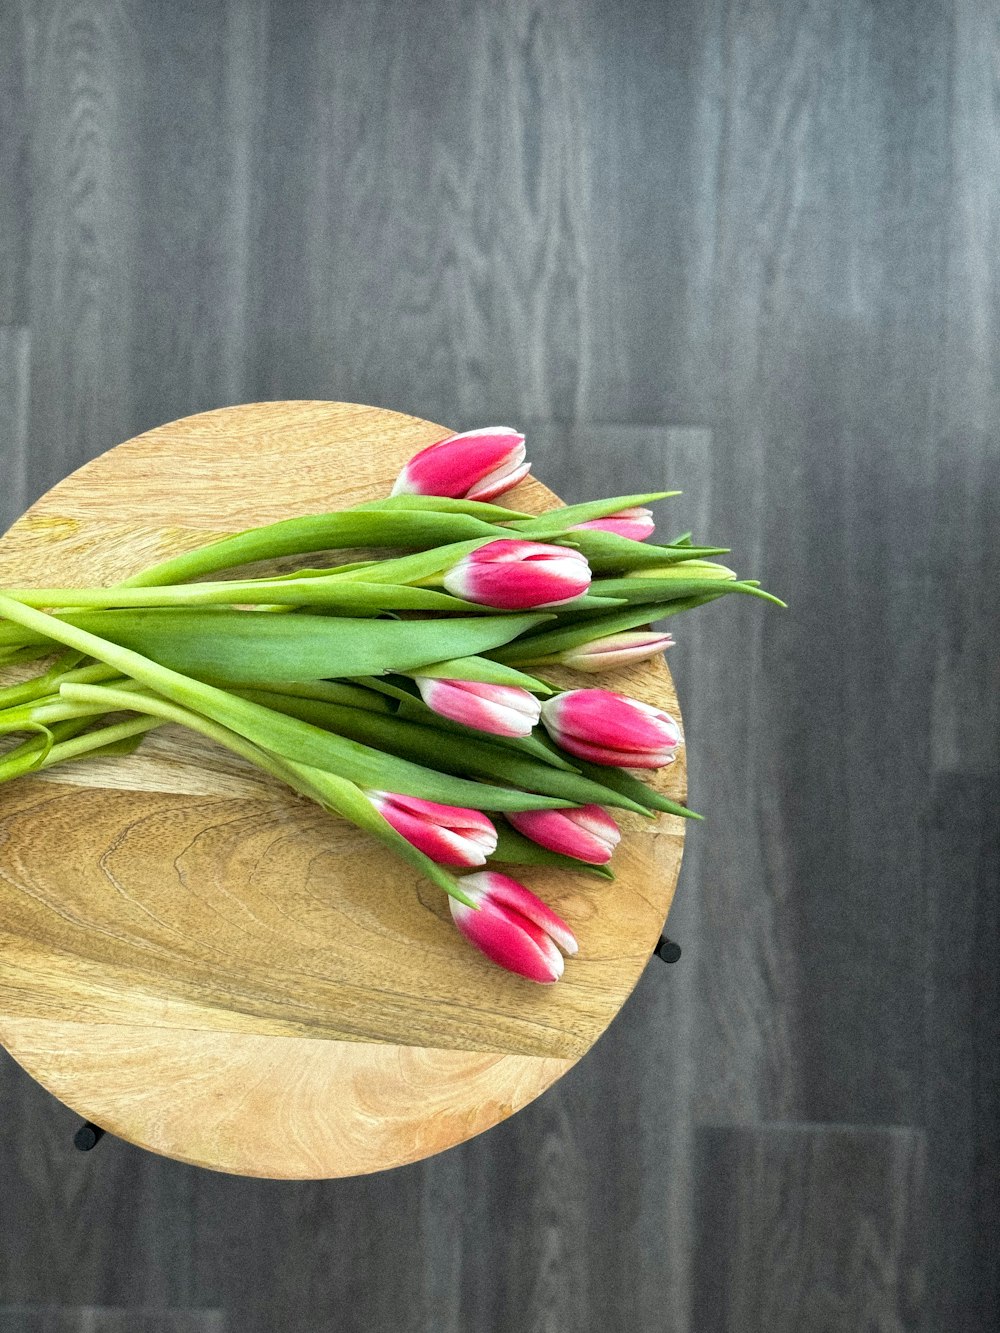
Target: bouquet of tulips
396, 692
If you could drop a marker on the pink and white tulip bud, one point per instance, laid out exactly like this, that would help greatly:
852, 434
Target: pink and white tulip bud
616, 650
477, 465
513, 575
612, 729
635, 523
513, 927
446, 833
587, 832
503, 710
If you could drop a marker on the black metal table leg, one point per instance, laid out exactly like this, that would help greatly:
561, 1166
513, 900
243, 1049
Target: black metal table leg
667, 951
87, 1136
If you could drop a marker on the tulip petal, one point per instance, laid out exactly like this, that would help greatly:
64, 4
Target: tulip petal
616, 650
511, 574
456, 466
609, 720
635, 523
515, 943
495, 483
447, 834
509, 893
600, 754
588, 833
502, 710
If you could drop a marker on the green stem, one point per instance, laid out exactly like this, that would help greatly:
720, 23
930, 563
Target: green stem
336, 593
283, 735
48, 683
42, 713
319, 532
99, 739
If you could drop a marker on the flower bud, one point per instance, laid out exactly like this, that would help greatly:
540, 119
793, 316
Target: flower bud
683, 569
513, 575
586, 832
477, 465
612, 729
513, 927
503, 710
634, 522
446, 833
616, 650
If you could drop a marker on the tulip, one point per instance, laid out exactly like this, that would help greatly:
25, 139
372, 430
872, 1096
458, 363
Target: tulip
615, 650
478, 465
503, 710
611, 729
635, 523
513, 927
586, 832
513, 575
446, 833
683, 569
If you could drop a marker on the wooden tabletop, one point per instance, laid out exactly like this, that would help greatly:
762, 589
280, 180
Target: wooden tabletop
207, 965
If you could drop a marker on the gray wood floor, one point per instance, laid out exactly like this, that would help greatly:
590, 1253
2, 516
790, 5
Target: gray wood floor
747, 250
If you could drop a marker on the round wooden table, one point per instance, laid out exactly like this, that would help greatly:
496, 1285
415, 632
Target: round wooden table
207, 965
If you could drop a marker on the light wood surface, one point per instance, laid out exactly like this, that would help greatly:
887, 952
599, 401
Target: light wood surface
211, 967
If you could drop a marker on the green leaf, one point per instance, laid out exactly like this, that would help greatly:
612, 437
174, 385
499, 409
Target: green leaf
588, 601
608, 552
515, 849
482, 509
237, 647
628, 785
273, 731
422, 565
482, 669
392, 526
541, 647
354, 694
639, 590
329, 592
412, 706
454, 754
555, 522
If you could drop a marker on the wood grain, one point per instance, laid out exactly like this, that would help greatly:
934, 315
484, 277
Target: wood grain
15, 198
774, 1253
101, 1319
15, 363
211, 921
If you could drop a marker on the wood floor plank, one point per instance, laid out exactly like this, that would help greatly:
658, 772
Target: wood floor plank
15, 363
94, 1319
112, 1226
965, 534
826, 320
960, 845
962, 851
337, 1254
15, 197
194, 159
423, 208
82, 71
809, 1227
653, 94
142, 214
